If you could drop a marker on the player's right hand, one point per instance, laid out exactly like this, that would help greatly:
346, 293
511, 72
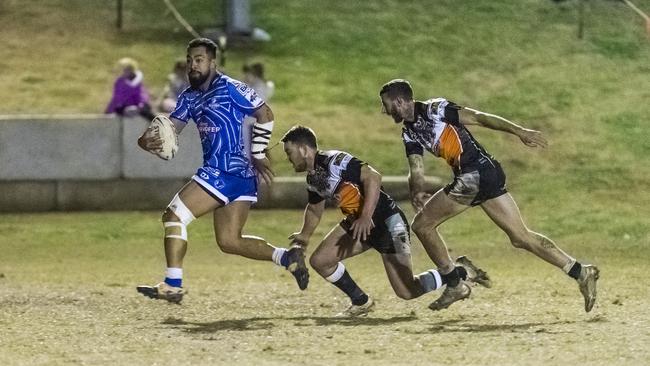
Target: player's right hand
299, 239
418, 200
150, 142
532, 138
264, 172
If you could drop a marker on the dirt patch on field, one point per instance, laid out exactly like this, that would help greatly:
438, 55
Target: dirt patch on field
257, 316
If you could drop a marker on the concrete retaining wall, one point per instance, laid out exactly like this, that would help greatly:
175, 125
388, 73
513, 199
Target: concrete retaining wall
93, 163
87, 147
43, 149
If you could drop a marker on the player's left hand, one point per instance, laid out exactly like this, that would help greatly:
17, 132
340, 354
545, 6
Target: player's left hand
419, 200
361, 228
264, 172
532, 138
299, 239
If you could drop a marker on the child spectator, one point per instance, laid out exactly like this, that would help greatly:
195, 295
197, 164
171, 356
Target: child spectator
130, 97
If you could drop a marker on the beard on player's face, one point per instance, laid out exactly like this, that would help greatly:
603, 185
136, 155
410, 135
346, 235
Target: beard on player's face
396, 113
397, 116
299, 168
300, 165
196, 78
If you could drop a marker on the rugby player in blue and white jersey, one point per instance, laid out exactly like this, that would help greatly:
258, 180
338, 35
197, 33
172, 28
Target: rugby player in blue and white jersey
440, 127
226, 184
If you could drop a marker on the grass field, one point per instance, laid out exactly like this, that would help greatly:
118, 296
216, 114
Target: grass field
67, 294
521, 59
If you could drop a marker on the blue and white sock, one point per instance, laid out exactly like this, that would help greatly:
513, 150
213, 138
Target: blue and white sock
281, 257
174, 277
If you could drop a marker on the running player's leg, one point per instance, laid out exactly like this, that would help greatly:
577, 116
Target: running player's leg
400, 275
327, 261
504, 212
190, 202
229, 221
407, 286
391, 238
438, 209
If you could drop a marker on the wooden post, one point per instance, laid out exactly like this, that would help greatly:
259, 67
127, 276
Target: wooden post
581, 18
119, 14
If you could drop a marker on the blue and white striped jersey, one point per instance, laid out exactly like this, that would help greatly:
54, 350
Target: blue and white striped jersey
219, 115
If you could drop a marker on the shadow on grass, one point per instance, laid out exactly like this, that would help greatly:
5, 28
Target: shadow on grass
256, 323
446, 326
458, 326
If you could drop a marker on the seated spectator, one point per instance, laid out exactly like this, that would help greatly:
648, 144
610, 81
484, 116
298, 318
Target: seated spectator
130, 97
254, 77
176, 83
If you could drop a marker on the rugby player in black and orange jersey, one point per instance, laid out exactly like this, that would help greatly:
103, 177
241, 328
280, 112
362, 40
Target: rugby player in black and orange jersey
373, 220
439, 126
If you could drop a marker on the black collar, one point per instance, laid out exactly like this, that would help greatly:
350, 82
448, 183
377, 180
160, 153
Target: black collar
320, 159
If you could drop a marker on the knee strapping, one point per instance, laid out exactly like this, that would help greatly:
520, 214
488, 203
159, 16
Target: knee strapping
168, 234
181, 211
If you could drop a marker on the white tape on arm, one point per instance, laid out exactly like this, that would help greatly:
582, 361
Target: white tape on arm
261, 137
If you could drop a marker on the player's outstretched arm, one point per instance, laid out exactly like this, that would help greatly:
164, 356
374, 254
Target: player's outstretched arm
532, 138
417, 189
311, 218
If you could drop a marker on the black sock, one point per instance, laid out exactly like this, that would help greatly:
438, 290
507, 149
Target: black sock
452, 278
575, 270
347, 285
462, 272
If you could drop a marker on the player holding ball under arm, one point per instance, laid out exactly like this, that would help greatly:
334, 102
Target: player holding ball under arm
226, 184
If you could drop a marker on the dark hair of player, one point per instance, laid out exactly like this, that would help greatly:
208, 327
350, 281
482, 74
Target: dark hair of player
210, 46
301, 135
397, 88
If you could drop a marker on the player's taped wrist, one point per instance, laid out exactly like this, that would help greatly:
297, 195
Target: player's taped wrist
261, 138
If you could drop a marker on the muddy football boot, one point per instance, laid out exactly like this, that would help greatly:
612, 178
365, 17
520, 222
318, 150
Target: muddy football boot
474, 274
450, 295
354, 311
587, 281
163, 291
297, 266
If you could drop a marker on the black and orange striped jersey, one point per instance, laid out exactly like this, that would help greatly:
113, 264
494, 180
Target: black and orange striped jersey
337, 176
438, 130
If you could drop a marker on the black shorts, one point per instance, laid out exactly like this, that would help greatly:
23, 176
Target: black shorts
478, 185
389, 236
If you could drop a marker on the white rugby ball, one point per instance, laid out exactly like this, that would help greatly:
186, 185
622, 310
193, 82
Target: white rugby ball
163, 127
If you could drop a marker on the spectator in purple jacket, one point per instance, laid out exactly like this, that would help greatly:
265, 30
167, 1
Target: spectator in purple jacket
130, 97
